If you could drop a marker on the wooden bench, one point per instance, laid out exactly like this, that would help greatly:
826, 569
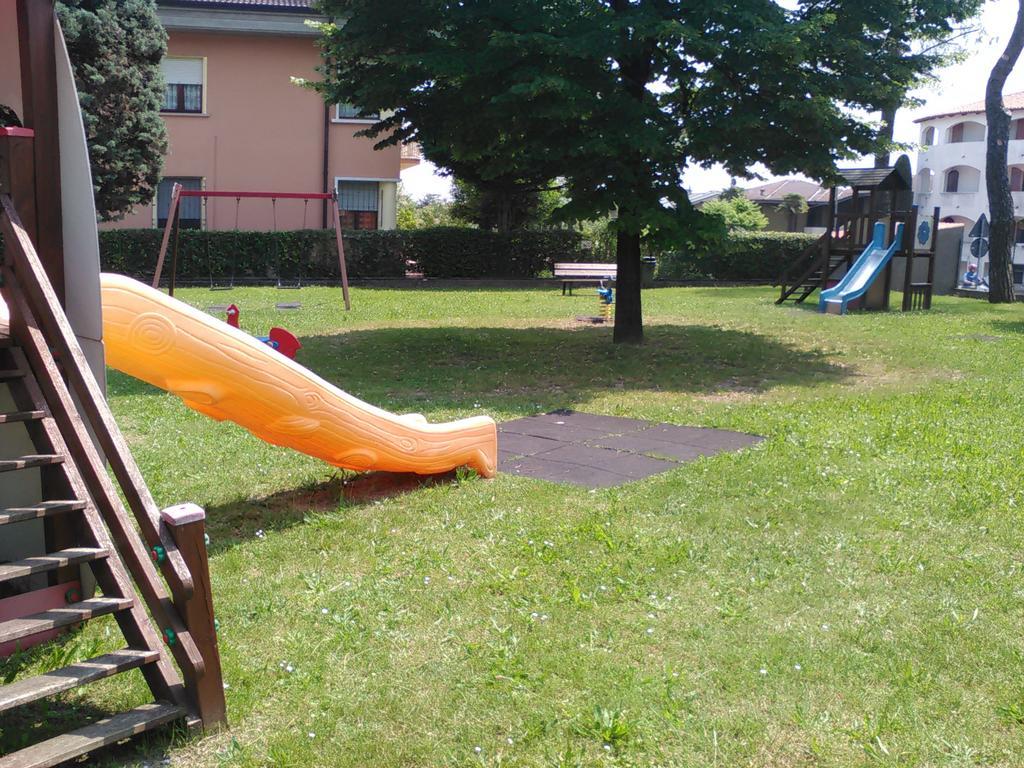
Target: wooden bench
572, 272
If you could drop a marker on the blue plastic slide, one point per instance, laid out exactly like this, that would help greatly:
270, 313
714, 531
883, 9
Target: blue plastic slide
862, 274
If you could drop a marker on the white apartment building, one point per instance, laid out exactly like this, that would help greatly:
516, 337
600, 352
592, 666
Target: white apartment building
951, 172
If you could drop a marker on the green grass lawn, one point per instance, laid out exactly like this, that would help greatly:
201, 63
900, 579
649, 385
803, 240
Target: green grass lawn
847, 593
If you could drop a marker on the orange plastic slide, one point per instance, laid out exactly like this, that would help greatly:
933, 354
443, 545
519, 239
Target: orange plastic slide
225, 373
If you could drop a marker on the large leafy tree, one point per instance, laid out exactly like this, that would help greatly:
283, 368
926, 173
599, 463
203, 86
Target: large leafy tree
737, 213
115, 48
619, 97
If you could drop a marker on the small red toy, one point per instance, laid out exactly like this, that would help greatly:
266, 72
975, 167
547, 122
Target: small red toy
278, 338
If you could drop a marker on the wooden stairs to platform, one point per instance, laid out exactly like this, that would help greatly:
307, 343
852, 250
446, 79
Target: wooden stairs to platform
151, 571
810, 271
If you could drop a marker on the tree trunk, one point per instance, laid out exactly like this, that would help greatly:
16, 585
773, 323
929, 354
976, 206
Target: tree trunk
629, 325
886, 132
504, 211
997, 179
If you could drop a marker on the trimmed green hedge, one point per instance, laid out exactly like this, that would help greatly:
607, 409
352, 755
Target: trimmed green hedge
460, 252
309, 254
312, 254
742, 256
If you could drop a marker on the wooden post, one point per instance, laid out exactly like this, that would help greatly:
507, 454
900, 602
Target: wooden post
187, 526
931, 259
908, 272
174, 258
172, 212
36, 30
341, 253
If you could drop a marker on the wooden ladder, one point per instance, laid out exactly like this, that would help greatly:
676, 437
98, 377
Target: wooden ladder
95, 529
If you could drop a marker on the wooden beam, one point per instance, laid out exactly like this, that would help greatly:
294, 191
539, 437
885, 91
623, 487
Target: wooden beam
341, 254
172, 214
186, 524
36, 30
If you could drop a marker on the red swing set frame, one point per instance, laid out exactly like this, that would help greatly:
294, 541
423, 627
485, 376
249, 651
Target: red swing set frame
173, 216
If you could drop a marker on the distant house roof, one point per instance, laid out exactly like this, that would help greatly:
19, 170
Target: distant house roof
279, 6
776, 191
1012, 101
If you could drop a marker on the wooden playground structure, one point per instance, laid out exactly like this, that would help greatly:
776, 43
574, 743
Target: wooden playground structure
83, 553
875, 194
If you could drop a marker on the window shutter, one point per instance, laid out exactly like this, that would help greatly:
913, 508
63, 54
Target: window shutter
182, 71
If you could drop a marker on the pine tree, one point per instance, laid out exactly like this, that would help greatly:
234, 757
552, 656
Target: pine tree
116, 47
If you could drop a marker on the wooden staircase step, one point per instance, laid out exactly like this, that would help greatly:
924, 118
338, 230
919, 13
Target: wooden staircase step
80, 673
27, 462
13, 416
42, 509
55, 618
42, 563
92, 737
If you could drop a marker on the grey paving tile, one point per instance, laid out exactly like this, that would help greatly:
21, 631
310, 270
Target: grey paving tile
551, 430
718, 439
525, 445
638, 443
604, 451
612, 425
629, 464
562, 472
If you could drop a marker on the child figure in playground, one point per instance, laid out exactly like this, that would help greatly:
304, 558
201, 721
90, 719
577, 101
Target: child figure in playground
972, 279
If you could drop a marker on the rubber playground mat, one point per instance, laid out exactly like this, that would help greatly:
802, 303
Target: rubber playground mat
604, 451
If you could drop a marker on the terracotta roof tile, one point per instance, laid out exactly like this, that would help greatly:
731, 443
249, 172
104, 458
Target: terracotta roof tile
776, 191
1012, 101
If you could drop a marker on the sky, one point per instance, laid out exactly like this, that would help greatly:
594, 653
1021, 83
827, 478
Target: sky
954, 86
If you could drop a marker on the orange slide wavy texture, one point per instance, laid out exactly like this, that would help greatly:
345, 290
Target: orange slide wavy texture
224, 373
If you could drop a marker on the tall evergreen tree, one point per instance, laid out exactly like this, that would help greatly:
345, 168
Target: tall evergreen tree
619, 97
115, 48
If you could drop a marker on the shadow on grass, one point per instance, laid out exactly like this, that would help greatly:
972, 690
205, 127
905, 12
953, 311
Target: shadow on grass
523, 370
1007, 326
238, 520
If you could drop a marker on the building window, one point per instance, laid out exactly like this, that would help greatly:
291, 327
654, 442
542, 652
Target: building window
359, 204
183, 89
190, 209
1017, 129
352, 112
1016, 179
928, 137
1018, 232
924, 181
952, 180
966, 131
1018, 274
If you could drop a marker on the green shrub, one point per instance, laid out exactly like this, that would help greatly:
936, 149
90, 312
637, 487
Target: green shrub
309, 254
312, 254
461, 252
742, 256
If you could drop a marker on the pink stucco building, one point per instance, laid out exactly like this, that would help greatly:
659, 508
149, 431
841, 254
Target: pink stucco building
237, 120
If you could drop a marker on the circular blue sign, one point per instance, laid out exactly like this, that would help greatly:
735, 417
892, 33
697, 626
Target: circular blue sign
924, 232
